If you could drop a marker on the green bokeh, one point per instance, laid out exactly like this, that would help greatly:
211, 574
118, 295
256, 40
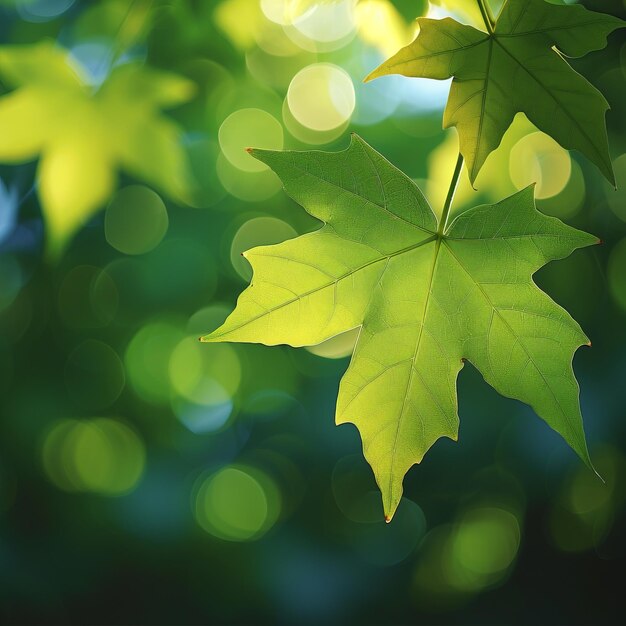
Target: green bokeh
146, 478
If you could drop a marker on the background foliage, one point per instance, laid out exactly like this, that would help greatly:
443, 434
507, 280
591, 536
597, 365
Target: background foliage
147, 478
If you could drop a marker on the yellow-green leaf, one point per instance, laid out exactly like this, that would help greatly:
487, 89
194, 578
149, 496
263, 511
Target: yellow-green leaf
517, 66
424, 301
84, 135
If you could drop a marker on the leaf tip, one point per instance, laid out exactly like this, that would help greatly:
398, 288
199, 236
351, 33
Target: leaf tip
598, 475
370, 77
388, 519
355, 139
588, 344
376, 73
249, 150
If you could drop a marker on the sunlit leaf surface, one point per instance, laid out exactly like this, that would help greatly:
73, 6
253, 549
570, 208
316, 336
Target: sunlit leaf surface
425, 300
148, 478
518, 66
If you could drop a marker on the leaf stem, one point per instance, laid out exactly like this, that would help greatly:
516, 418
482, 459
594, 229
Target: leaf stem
448, 203
485, 11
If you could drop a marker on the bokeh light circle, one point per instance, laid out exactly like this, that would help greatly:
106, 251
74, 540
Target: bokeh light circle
205, 418
103, 456
259, 231
325, 27
147, 360
570, 200
586, 494
584, 514
482, 548
276, 11
321, 96
381, 25
249, 128
537, 158
42, 10
237, 503
247, 186
136, 220
206, 374
328, 22
308, 135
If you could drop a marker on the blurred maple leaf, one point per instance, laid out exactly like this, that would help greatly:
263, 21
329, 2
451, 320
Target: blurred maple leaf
85, 134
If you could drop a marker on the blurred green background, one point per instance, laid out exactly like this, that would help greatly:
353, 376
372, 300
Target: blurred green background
148, 479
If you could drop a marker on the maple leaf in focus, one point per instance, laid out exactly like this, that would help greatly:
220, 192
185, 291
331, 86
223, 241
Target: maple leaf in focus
83, 134
424, 300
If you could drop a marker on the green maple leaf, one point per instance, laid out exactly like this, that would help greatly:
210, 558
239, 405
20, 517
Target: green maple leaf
518, 66
424, 303
84, 135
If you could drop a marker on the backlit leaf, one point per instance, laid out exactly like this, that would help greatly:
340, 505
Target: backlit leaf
424, 302
518, 66
83, 135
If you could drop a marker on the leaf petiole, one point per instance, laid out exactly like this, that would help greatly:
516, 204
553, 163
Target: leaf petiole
485, 11
452, 189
